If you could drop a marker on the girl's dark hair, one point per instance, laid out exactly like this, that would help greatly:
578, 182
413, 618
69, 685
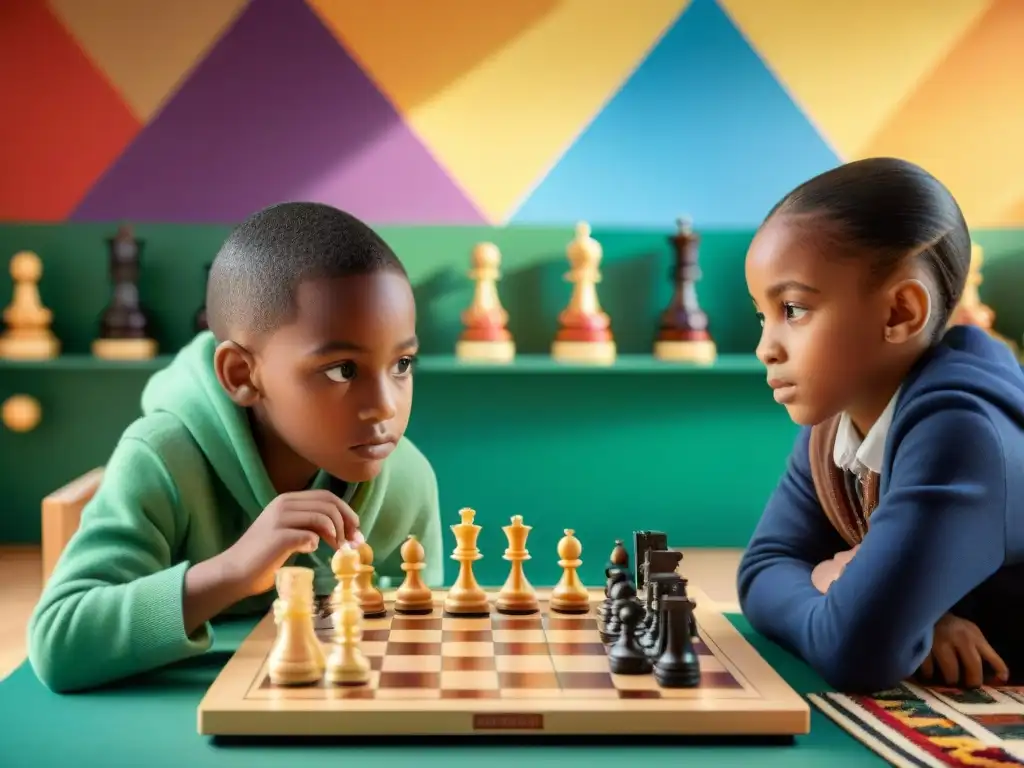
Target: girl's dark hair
892, 210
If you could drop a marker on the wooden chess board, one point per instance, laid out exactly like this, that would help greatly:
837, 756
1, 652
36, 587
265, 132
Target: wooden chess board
542, 673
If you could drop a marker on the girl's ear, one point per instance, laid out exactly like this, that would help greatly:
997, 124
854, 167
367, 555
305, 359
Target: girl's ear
910, 310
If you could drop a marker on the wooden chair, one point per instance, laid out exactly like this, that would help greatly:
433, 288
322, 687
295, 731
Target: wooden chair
62, 513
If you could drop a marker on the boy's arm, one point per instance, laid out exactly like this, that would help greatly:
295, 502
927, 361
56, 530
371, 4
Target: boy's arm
791, 538
114, 604
936, 535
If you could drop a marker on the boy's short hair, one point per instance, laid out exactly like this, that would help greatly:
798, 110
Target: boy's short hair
256, 272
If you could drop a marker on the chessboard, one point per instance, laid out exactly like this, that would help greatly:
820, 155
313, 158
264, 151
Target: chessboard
657, 659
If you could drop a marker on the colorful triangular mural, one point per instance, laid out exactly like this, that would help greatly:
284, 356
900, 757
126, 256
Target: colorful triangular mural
702, 129
535, 111
269, 116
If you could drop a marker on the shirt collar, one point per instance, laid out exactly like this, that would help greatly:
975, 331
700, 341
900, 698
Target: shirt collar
856, 455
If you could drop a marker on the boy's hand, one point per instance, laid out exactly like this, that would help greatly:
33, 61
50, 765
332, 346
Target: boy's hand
826, 572
293, 522
958, 650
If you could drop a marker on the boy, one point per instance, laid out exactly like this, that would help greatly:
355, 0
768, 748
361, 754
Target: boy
274, 438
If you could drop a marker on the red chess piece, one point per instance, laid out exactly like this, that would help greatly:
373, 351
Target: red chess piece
584, 329
485, 336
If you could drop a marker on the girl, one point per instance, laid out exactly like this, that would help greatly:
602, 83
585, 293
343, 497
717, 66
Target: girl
903, 499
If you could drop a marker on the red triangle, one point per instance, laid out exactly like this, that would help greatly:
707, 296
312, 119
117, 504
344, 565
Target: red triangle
63, 123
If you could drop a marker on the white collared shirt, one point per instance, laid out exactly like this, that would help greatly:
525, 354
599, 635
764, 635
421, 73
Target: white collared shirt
861, 456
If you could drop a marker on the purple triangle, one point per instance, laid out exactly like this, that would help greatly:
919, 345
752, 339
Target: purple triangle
277, 111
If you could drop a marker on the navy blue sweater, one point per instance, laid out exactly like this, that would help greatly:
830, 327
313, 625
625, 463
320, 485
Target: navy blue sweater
948, 531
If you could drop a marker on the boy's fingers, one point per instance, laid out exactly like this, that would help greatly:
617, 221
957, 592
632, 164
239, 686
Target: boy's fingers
347, 520
300, 541
319, 521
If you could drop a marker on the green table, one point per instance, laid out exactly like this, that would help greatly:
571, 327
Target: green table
151, 723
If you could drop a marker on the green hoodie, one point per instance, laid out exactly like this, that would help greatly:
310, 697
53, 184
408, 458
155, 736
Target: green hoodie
183, 483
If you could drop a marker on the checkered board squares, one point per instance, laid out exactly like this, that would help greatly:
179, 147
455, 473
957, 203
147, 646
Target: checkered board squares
546, 672
435, 656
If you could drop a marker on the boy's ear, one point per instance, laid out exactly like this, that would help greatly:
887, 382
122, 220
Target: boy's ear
236, 371
910, 310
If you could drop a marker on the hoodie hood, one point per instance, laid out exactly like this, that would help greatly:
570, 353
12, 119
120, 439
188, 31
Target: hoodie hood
188, 389
970, 361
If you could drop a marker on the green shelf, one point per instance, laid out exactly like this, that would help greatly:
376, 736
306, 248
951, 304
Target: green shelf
523, 364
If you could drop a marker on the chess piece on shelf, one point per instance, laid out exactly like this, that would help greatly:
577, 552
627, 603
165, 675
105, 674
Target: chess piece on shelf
518, 595
584, 329
486, 337
296, 658
28, 335
371, 601
569, 594
346, 664
413, 596
124, 325
683, 334
466, 597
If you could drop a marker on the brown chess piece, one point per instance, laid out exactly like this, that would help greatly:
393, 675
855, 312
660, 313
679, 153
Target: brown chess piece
619, 557
413, 596
584, 329
683, 334
569, 594
124, 325
518, 595
371, 601
486, 337
28, 335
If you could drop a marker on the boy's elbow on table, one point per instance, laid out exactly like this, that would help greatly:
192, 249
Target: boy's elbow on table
51, 653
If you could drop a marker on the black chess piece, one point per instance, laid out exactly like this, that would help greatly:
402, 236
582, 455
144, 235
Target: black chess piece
124, 317
678, 665
654, 631
643, 541
622, 592
626, 657
614, 577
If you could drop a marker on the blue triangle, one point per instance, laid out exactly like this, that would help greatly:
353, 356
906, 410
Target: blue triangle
702, 129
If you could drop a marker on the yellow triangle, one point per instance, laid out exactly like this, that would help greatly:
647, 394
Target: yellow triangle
965, 121
499, 90
146, 47
848, 64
